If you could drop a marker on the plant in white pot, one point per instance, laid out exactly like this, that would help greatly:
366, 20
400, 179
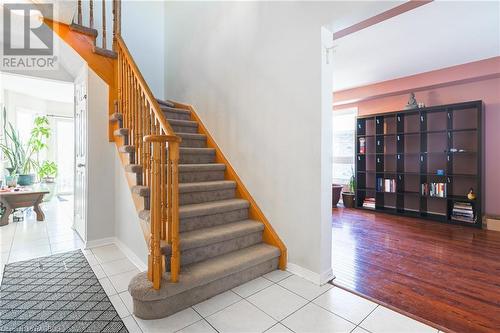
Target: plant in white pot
47, 174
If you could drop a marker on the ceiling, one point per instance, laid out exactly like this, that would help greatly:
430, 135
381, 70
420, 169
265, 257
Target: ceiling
40, 88
437, 35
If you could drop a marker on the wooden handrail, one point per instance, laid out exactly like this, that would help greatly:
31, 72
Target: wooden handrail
156, 150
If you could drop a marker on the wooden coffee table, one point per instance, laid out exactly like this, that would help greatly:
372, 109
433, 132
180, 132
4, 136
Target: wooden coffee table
19, 199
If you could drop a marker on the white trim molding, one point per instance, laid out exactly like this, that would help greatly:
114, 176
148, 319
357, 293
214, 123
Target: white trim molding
319, 279
140, 264
99, 242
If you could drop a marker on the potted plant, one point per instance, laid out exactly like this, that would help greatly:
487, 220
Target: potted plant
349, 197
47, 174
23, 159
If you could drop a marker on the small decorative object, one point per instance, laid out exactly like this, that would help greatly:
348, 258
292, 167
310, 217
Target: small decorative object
440, 172
412, 102
362, 145
471, 195
11, 180
421, 105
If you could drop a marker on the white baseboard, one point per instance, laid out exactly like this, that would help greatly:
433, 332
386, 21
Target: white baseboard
99, 242
319, 279
141, 265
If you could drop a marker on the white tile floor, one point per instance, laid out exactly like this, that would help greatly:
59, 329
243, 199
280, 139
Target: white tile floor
277, 302
31, 239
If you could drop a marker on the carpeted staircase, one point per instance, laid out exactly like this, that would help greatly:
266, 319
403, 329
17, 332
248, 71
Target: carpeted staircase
221, 247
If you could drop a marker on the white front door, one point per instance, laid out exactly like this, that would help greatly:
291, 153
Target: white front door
80, 221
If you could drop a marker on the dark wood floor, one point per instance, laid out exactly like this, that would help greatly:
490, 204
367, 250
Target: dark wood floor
446, 274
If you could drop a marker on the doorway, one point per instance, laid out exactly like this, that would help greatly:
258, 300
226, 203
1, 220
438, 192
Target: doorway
32, 104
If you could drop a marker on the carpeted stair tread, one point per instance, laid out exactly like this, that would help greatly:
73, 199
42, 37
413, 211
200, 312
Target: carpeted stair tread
166, 108
141, 190
121, 132
212, 207
202, 273
116, 116
192, 136
201, 167
217, 234
206, 186
166, 103
127, 149
201, 151
133, 168
183, 123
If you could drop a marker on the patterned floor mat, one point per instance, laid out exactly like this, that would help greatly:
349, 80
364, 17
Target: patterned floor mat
59, 293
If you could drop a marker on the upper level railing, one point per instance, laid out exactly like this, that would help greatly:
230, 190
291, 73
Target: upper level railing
93, 14
156, 147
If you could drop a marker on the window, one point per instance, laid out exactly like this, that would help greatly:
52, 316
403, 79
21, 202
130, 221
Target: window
344, 130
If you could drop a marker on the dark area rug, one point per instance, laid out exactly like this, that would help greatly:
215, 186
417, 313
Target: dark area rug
59, 293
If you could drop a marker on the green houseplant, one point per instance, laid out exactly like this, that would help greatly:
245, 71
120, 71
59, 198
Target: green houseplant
47, 174
349, 197
23, 158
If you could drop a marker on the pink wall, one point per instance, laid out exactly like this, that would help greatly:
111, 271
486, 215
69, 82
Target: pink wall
483, 88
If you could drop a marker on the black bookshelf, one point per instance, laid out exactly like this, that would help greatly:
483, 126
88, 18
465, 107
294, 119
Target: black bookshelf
421, 162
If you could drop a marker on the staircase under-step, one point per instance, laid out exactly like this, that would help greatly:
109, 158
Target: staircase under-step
221, 247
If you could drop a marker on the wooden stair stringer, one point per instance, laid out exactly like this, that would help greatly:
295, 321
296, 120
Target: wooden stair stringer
103, 66
254, 212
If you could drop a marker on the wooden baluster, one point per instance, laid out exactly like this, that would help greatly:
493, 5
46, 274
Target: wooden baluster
169, 194
118, 17
129, 101
175, 260
137, 131
125, 95
163, 184
91, 14
79, 13
141, 134
155, 259
114, 12
104, 24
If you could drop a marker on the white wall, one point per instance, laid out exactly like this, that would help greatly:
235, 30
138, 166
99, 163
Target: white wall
127, 226
100, 163
143, 29
257, 74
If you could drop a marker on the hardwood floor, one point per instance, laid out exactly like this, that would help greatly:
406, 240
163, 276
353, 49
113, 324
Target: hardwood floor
445, 274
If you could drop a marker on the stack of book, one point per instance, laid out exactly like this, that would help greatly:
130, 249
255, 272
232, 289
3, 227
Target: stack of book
434, 190
386, 185
464, 212
369, 203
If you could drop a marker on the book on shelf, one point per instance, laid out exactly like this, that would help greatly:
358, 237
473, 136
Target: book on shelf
434, 190
463, 212
386, 185
369, 203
